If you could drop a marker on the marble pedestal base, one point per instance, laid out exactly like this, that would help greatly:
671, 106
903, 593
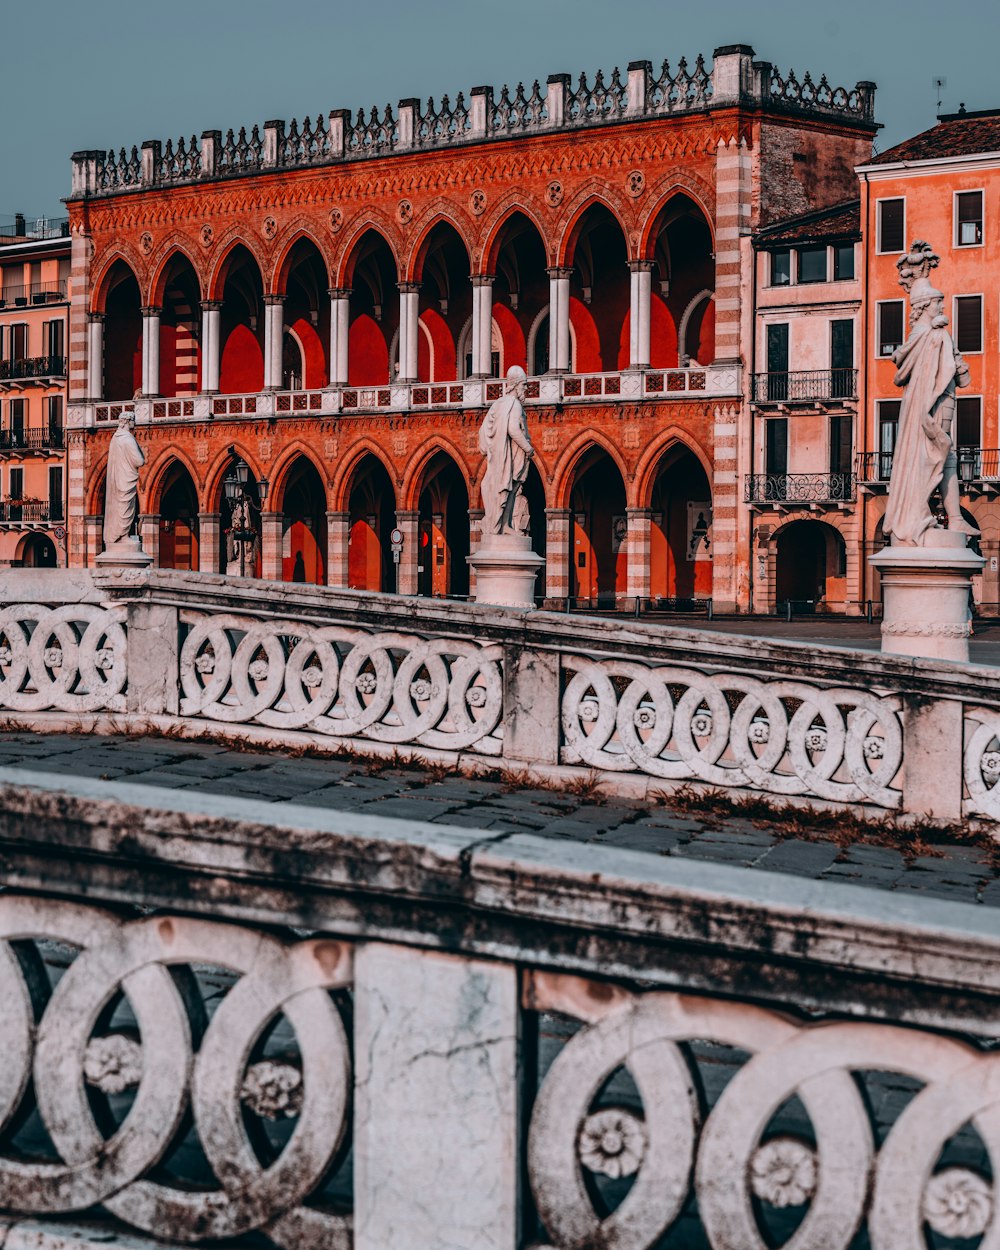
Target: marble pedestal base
925, 596
505, 569
126, 553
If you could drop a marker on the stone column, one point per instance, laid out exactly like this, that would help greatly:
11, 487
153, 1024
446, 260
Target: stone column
211, 353
209, 535
557, 573
639, 301
338, 534
149, 534
559, 353
340, 327
482, 325
436, 1119
406, 570
94, 539
274, 330
733, 189
409, 312
475, 538
726, 509
95, 356
272, 533
151, 351
637, 542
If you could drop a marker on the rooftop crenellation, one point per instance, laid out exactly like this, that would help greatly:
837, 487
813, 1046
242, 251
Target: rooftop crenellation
735, 78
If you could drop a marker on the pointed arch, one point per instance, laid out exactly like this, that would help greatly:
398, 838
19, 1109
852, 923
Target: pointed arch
441, 212
282, 466
300, 230
157, 475
220, 266
177, 245
677, 182
340, 490
212, 491
97, 476
376, 223
102, 284
413, 479
593, 193
648, 468
508, 207
569, 459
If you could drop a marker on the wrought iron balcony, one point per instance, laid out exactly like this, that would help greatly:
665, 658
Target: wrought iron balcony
40, 438
30, 512
36, 293
33, 367
811, 386
800, 488
975, 465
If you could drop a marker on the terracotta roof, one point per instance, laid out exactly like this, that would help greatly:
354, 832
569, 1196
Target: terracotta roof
841, 221
956, 134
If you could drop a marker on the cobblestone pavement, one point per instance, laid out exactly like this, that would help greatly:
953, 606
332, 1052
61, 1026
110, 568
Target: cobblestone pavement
960, 873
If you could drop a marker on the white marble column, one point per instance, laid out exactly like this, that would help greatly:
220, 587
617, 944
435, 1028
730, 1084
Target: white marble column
559, 355
95, 356
151, 351
274, 332
482, 325
436, 1115
340, 327
639, 310
211, 333
409, 313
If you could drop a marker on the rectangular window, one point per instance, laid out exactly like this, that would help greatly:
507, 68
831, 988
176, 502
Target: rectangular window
54, 420
777, 361
18, 416
842, 359
843, 262
18, 349
777, 446
969, 323
891, 225
781, 267
841, 444
889, 330
16, 477
812, 264
968, 437
55, 338
888, 424
968, 219
56, 493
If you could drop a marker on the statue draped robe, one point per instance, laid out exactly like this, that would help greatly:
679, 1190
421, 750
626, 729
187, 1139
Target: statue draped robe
125, 459
926, 367
503, 440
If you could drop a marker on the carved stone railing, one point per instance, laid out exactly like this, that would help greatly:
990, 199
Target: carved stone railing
311, 1029
456, 682
378, 131
799, 488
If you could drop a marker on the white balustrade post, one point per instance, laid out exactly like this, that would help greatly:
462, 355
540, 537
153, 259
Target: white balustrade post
436, 1116
152, 658
95, 356
409, 312
482, 325
559, 361
211, 330
151, 351
340, 328
639, 302
274, 332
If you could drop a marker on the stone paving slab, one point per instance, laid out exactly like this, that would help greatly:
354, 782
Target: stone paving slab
960, 873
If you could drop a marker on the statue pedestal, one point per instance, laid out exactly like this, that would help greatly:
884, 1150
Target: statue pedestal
926, 595
505, 569
126, 553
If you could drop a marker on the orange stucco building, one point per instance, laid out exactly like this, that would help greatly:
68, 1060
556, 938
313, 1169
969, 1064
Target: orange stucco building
329, 304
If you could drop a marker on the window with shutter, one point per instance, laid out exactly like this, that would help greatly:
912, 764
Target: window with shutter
969, 323
968, 219
890, 326
888, 425
891, 225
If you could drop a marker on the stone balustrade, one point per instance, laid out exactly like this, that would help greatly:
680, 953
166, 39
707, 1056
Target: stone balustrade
306, 1029
638, 707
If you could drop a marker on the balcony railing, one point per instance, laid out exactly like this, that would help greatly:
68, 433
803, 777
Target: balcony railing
805, 387
39, 438
33, 367
36, 293
800, 488
35, 512
975, 464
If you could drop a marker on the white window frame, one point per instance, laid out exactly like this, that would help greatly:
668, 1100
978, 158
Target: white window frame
954, 432
982, 320
833, 258
879, 249
11, 327
879, 353
981, 192
805, 247
792, 266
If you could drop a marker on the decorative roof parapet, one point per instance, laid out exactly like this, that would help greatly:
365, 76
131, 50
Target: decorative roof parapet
734, 79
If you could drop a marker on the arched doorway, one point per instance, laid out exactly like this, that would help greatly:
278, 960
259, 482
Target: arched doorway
38, 552
178, 520
599, 292
122, 368
682, 311
303, 550
680, 532
520, 293
598, 553
445, 302
372, 508
242, 325
443, 567
811, 566
306, 314
180, 329
374, 304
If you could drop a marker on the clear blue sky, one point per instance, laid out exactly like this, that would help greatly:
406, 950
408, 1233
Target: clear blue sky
102, 73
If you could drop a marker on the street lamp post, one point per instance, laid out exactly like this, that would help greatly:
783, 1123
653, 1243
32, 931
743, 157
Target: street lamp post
236, 485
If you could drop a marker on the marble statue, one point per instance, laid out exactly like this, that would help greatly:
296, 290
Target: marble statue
504, 441
242, 540
125, 459
929, 368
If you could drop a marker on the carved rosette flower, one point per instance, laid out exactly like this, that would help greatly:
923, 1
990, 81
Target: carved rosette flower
269, 228
312, 676
635, 183
366, 683
258, 670
205, 663
53, 657
590, 709
990, 759
476, 696
874, 748
478, 201
701, 724
404, 212
612, 1142
816, 738
421, 690
958, 1203
783, 1172
207, 236
336, 220
145, 243
554, 194
644, 718
6, 656
273, 1090
759, 731
105, 658
113, 1063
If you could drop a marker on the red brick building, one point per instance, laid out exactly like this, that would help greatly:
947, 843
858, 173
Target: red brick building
328, 303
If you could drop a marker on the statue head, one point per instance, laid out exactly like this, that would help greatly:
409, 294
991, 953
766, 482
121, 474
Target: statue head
916, 264
126, 421
926, 302
516, 379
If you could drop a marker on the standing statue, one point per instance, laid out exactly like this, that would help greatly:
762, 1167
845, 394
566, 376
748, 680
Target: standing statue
242, 540
125, 459
929, 367
504, 441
